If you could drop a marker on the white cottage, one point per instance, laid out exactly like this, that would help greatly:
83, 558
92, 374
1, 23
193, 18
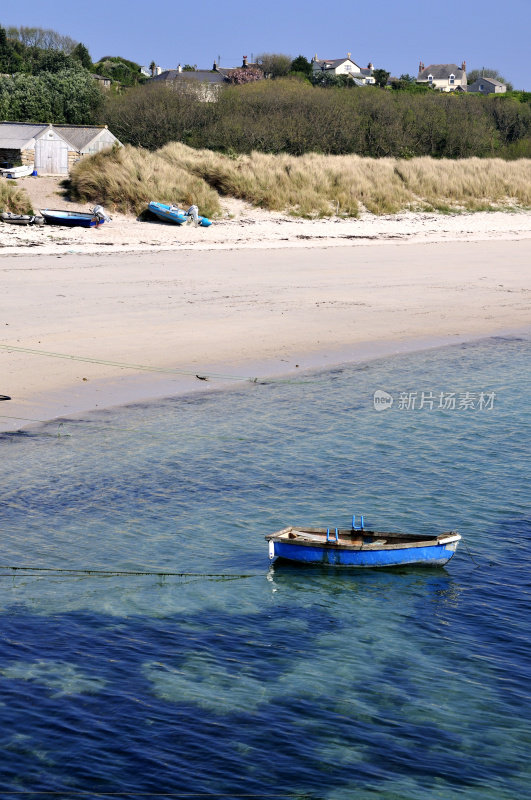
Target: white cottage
343, 66
445, 77
51, 149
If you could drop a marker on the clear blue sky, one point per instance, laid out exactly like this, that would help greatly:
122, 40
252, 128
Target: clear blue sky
393, 34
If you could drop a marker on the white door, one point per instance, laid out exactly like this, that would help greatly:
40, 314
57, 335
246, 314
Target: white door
51, 157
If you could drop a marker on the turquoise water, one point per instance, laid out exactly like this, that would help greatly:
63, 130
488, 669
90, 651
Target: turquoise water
243, 679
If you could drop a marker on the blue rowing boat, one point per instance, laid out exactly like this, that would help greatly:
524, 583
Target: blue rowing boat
72, 219
177, 215
357, 547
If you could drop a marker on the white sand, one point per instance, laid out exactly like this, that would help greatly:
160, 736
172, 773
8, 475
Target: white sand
239, 313
255, 294
243, 226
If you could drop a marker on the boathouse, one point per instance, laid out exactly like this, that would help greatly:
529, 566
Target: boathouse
52, 149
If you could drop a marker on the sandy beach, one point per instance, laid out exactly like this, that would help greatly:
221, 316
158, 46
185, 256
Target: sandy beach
138, 310
85, 327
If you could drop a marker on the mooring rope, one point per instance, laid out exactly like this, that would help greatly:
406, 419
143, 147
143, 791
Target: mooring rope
116, 572
122, 365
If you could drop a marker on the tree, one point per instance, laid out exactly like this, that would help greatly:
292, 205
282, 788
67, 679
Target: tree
189, 68
70, 96
487, 72
10, 60
120, 69
245, 75
301, 65
329, 79
274, 65
81, 54
381, 76
53, 61
44, 38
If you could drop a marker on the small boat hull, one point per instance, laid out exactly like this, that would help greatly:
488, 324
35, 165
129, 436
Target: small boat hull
173, 214
21, 219
71, 218
17, 172
362, 549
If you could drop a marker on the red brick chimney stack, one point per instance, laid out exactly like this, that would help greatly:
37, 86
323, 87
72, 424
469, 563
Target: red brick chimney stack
421, 66
463, 66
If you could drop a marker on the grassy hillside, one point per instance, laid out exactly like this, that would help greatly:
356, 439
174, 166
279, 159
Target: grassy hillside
310, 185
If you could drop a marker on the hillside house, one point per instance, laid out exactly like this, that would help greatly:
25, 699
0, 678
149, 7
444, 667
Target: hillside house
104, 82
445, 77
487, 86
344, 66
52, 149
204, 83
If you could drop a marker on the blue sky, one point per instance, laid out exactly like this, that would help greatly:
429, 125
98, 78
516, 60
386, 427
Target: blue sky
393, 34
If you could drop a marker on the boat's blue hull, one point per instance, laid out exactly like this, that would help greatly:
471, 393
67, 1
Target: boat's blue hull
71, 219
173, 214
435, 555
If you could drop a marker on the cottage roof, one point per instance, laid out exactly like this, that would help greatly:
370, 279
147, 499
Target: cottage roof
492, 81
366, 71
79, 136
197, 76
440, 72
14, 135
332, 63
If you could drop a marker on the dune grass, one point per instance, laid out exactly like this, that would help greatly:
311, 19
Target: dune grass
14, 199
311, 185
128, 178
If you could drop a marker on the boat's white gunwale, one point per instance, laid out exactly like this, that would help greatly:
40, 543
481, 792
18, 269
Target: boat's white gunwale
318, 539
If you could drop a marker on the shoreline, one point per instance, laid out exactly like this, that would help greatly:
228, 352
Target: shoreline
120, 392
136, 329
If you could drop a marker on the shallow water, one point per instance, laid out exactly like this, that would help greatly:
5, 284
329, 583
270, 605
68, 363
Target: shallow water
238, 678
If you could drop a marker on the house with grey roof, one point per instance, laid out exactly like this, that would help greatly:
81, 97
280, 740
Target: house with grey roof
362, 76
445, 77
203, 83
487, 86
51, 149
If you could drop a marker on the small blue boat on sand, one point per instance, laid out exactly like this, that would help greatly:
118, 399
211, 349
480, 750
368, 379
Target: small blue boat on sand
177, 215
357, 547
72, 219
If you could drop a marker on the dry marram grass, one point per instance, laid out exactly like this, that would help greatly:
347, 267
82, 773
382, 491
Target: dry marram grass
128, 178
309, 185
14, 199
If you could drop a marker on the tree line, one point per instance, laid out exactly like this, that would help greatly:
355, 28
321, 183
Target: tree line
290, 116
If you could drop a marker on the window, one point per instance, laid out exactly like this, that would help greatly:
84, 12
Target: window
430, 78
452, 79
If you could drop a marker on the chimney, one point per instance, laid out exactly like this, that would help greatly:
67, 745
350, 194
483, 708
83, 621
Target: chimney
214, 67
421, 66
179, 68
348, 55
244, 63
370, 65
463, 66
